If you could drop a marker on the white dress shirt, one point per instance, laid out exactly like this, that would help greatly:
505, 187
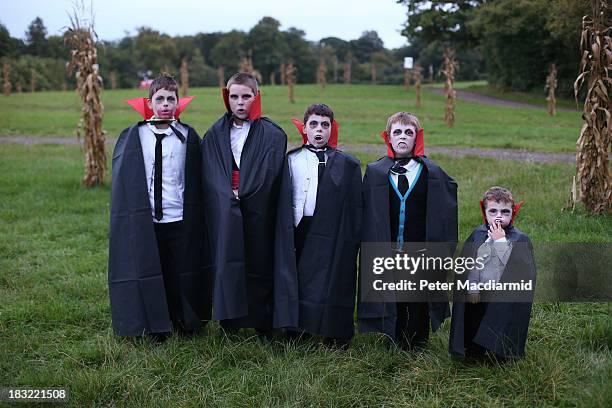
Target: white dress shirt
412, 169
173, 169
304, 172
238, 136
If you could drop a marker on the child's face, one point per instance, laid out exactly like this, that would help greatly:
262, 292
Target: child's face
318, 130
240, 100
498, 212
402, 139
164, 104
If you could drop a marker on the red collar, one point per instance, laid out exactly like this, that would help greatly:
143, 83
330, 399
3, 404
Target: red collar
333, 138
141, 106
255, 112
419, 146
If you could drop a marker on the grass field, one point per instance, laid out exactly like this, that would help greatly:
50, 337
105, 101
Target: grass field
361, 110
55, 315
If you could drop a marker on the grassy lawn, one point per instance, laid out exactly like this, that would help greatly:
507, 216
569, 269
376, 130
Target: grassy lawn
55, 315
361, 110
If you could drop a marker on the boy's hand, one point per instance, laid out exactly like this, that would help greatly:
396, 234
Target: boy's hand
496, 231
473, 297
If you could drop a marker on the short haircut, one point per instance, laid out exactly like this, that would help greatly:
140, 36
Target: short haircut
242, 78
498, 194
320, 109
404, 118
164, 81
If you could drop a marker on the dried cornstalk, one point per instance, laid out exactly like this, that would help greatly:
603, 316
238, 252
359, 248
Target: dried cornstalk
373, 73
418, 77
431, 74
290, 78
246, 65
551, 86
335, 69
82, 39
18, 88
283, 73
33, 80
347, 69
449, 68
221, 76
593, 145
6, 78
321, 73
113, 80
272, 78
406, 79
184, 77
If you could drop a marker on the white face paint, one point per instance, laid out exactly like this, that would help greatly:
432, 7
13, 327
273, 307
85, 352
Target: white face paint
498, 213
163, 103
318, 130
402, 139
241, 98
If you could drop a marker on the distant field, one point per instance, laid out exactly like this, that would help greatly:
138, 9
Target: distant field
361, 110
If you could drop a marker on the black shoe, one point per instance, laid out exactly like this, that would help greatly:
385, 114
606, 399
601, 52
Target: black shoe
159, 338
336, 343
265, 334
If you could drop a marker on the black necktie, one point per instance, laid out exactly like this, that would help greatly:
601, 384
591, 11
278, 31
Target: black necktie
402, 179
157, 186
321, 156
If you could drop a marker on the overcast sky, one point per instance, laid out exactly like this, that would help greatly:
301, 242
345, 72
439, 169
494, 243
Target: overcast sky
318, 18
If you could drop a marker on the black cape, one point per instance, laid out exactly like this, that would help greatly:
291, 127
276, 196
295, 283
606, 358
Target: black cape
327, 269
503, 329
441, 226
136, 286
252, 238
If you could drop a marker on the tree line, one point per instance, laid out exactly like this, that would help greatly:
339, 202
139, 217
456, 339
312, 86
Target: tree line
512, 43
148, 52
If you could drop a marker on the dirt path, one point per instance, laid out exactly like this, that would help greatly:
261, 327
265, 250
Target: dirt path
489, 100
502, 154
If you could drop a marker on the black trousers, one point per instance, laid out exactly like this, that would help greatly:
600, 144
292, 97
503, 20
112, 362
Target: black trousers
412, 324
299, 236
474, 312
171, 256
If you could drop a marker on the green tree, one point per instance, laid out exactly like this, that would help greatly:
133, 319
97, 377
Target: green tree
302, 53
228, 50
155, 51
268, 46
36, 37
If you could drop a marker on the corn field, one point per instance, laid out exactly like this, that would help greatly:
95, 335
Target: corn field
83, 62
6, 79
593, 146
449, 69
418, 77
406, 79
184, 77
322, 73
221, 76
551, 86
33, 80
347, 69
290, 78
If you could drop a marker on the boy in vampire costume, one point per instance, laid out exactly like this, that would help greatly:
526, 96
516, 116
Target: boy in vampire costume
247, 193
326, 186
406, 198
494, 322
157, 251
